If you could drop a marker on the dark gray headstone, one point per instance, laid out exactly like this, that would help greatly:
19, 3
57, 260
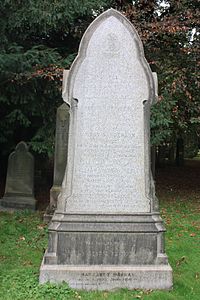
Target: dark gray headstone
61, 144
60, 157
106, 232
20, 179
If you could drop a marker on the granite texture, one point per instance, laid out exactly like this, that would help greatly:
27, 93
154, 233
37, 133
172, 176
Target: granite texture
106, 232
108, 86
109, 277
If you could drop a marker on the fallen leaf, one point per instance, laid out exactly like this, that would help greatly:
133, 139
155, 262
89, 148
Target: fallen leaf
40, 227
105, 295
193, 234
27, 263
180, 261
148, 292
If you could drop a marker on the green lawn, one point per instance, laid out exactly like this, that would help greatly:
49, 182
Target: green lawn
23, 238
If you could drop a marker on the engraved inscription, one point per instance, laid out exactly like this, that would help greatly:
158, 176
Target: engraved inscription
94, 279
109, 151
110, 161
105, 248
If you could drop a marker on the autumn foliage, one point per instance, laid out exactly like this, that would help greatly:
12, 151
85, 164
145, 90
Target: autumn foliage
40, 38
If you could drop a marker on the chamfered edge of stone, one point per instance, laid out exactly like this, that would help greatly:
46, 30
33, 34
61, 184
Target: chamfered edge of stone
109, 277
108, 218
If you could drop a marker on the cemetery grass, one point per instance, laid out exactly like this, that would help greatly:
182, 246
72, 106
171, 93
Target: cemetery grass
23, 239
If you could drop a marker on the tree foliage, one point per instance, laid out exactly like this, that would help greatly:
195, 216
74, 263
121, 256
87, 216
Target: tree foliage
170, 33
40, 38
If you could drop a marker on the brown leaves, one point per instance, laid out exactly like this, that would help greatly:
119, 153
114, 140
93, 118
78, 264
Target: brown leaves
27, 263
192, 234
141, 294
2, 257
21, 238
168, 221
51, 73
41, 226
188, 94
181, 260
197, 275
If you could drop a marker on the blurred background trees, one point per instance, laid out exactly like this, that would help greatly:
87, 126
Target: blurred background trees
40, 38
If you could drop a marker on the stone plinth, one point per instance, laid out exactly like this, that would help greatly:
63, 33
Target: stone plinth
109, 277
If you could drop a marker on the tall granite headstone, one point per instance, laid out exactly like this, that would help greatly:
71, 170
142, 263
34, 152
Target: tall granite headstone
60, 156
20, 179
107, 232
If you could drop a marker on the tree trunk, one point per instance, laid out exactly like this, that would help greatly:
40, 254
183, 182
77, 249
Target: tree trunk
180, 152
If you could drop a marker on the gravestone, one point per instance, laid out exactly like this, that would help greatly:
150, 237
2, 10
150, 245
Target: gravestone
60, 156
107, 232
20, 179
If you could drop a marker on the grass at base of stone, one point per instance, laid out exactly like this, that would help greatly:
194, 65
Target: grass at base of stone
23, 239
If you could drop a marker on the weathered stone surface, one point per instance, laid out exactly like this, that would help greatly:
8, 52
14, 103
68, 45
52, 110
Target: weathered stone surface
61, 143
60, 156
20, 179
111, 84
109, 277
107, 223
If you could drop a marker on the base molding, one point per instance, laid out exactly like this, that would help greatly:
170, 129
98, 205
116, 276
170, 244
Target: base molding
18, 202
107, 251
109, 277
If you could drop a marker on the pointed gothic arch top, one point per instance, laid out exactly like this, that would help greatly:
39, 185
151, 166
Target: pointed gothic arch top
69, 81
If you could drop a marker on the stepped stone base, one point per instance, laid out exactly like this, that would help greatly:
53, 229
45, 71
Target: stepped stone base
100, 277
104, 252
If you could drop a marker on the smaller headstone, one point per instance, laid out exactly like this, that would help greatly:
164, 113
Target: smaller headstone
60, 157
20, 179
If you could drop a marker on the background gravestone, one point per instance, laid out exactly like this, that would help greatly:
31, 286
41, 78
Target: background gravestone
20, 179
106, 232
60, 157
